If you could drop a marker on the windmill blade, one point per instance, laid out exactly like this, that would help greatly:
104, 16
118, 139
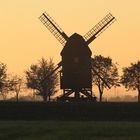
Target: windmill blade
100, 77
58, 66
99, 28
54, 28
51, 73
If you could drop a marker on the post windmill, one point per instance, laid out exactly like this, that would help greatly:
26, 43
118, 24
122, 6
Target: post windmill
75, 67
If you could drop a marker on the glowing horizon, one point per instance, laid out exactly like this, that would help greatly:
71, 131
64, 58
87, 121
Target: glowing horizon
24, 40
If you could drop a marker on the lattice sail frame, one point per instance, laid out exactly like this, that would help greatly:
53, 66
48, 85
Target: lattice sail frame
54, 28
99, 28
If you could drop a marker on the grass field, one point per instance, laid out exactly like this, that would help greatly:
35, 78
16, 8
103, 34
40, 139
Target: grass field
69, 130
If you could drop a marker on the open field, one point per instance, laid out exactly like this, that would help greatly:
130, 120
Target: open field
69, 130
69, 121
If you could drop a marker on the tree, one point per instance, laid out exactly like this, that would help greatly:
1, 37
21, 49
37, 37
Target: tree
38, 79
131, 77
15, 84
106, 74
3, 81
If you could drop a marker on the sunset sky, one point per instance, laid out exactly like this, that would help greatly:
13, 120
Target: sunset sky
24, 40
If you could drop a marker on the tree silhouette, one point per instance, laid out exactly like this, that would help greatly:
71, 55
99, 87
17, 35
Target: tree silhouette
107, 70
16, 84
131, 77
38, 79
3, 80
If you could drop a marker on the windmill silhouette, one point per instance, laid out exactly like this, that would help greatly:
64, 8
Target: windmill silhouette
76, 69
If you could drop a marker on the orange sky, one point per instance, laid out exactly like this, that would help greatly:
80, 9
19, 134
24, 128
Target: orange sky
24, 40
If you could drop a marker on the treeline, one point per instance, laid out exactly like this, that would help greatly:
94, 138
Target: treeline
104, 76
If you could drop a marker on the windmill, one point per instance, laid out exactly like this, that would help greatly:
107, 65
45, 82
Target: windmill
75, 67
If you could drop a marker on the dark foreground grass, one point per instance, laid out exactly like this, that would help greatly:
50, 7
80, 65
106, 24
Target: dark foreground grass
69, 130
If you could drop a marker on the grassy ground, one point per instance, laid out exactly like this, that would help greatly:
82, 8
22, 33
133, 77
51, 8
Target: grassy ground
69, 130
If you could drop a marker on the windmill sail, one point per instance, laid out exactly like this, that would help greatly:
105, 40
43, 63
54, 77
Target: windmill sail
54, 28
99, 28
100, 77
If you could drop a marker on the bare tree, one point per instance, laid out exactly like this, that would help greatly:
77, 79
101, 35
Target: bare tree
3, 80
107, 70
16, 84
131, 77
38, 79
